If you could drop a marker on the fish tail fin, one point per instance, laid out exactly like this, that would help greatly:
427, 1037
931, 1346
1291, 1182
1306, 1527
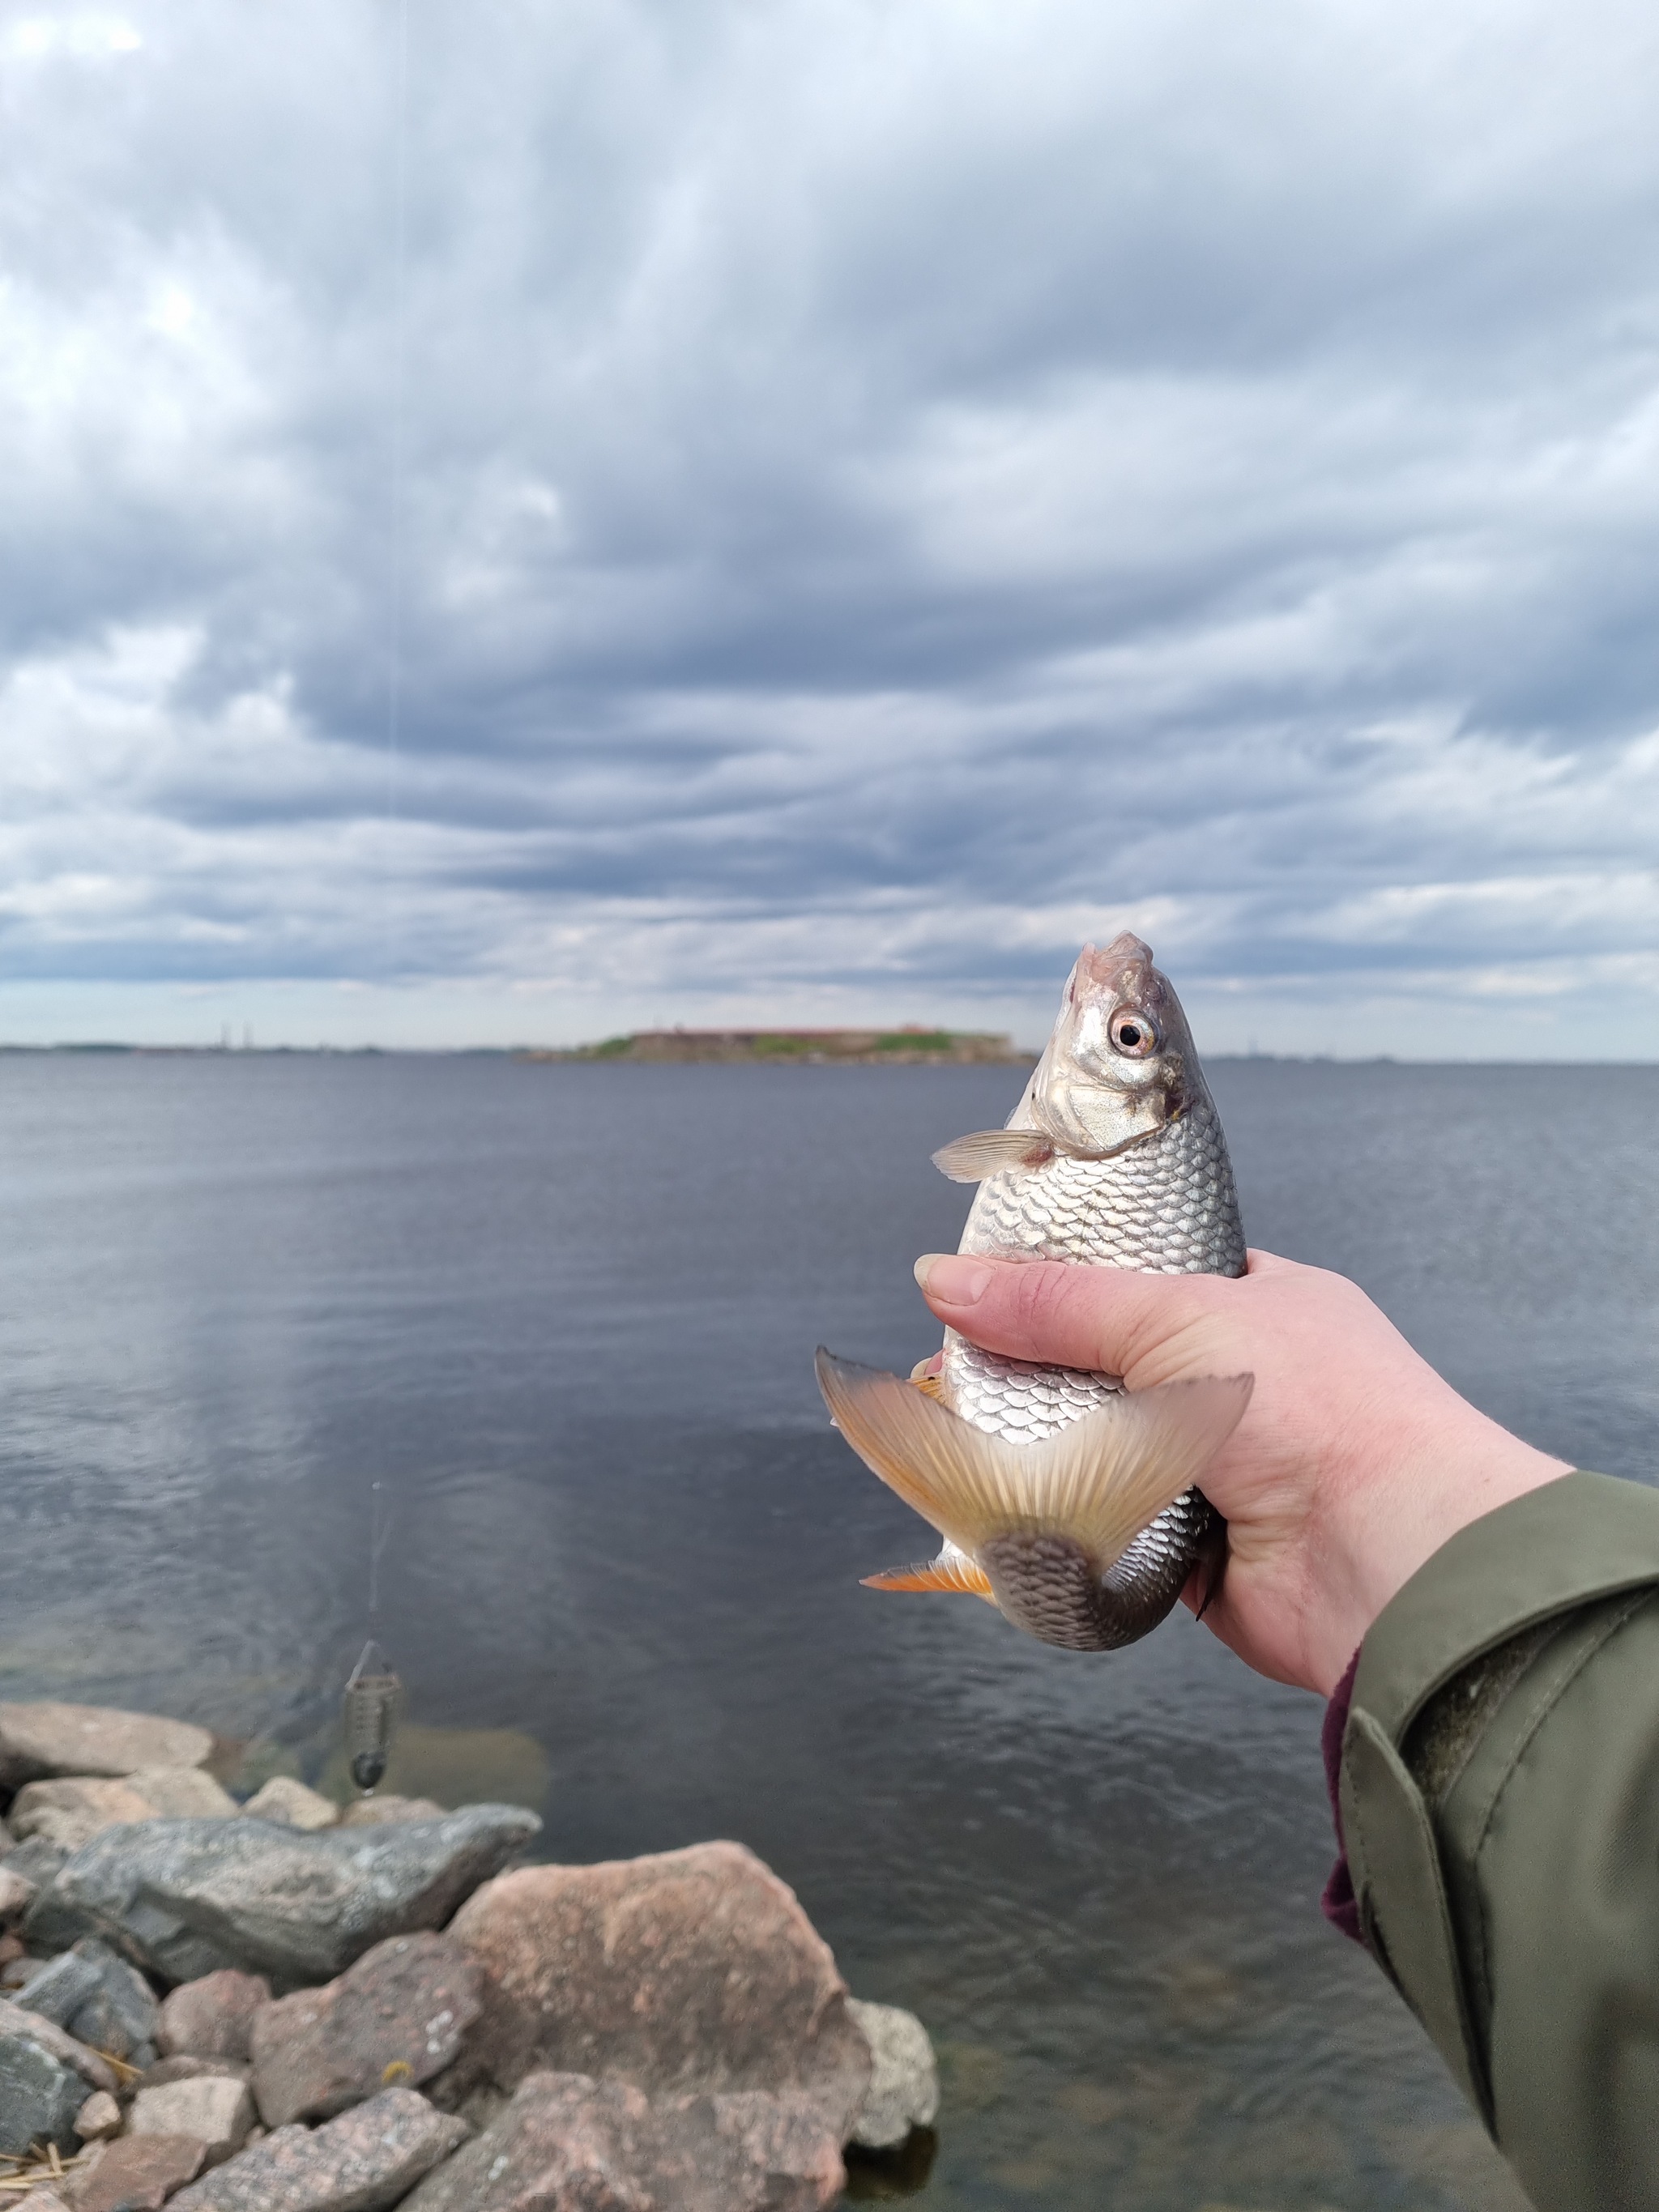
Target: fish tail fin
1098, 1482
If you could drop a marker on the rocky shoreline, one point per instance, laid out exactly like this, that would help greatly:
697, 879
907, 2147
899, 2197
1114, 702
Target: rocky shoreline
281, 2005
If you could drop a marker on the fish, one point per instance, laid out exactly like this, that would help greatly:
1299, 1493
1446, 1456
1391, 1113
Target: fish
1069, 1503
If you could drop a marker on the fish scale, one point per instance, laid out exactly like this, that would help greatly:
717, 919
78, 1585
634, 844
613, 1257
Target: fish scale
1166, 1206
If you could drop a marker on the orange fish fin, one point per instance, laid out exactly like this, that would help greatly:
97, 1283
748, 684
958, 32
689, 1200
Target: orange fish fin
933, 1384
940, 1574
992, 1151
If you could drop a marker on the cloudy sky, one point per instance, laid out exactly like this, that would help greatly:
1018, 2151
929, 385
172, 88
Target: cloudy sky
524, 519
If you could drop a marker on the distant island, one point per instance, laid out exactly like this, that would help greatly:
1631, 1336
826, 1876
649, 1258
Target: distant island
913, 1046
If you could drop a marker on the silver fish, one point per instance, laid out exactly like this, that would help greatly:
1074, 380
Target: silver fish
1068, 1503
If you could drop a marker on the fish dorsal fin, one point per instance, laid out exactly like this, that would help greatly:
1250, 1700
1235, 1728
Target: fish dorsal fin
1098, 1482
992, 1151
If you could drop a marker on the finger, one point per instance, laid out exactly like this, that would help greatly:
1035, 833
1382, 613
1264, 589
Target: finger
1065, 1315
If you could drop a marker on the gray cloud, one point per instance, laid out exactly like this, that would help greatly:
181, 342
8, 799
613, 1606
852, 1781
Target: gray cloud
883, 494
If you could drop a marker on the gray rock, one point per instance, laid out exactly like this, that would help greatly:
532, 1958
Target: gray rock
6, 1840
683, 1970
16, 1971
92, 2070
216, 2108
16, 1895
401, 2013
45, 2076
284, 1799
567, 2144
37, 1740
69, 1813
100, 1999
187, 1898
39, 2097
36, 1861
903, 2092
366, 2160
212, 2018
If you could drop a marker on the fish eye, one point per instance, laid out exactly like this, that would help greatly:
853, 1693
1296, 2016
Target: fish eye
1133, 1033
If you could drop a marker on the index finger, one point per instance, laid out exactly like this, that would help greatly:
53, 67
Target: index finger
1112, 1320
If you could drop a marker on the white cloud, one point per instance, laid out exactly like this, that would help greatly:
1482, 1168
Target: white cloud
838, 505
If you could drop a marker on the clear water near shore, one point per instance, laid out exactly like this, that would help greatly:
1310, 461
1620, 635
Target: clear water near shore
568, 1313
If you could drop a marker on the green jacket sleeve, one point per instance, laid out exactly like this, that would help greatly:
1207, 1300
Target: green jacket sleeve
1499, 1795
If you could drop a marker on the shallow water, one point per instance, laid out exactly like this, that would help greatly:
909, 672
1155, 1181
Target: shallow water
566, 1313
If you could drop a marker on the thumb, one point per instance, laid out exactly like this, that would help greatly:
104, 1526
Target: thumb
1111, 1320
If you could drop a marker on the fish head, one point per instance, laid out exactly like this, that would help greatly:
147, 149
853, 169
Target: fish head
1120, 1065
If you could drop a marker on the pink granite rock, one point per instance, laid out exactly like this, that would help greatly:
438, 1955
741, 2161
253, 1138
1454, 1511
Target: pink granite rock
567, 2144
690, 1970
366, 2160
69, 1813
400, 2014
210, 2017
138, 2173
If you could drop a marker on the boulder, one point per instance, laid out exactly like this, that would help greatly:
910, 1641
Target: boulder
37, 1740
45, 2076
290, 1802
99, 2116
36, 1861
366, 2160
183, 1793
186, 1898
18, 1969
6, 1840
71, 1813
138, 2173
210, 2017
16, 1895
400, 2014
100, 1999
903, 2092
567, 2144
375, 1812
685, 1970
216, 2108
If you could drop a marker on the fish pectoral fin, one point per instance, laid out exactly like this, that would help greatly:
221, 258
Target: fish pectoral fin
1097, 1482
925, 1375
949, 1571
992, 1151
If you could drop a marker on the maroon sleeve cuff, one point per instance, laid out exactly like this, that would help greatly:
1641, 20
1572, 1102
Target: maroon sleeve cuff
1339, 1903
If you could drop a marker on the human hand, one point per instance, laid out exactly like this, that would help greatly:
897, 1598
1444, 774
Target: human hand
1354, 1463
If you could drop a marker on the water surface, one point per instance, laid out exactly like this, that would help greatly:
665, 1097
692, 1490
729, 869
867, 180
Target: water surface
566, 1315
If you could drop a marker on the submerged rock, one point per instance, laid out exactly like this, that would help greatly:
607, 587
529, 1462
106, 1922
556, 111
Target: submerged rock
903, 2092
567, 2144
289, 1801
400, 2014
211, 2017
364, 2161
47, 1739
101, 2000
187, 1898
690, 1970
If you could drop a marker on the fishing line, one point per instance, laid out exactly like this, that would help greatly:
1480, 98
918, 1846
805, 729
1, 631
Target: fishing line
373, 1692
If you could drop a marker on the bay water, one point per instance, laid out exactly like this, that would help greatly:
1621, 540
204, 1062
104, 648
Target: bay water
564, 1315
